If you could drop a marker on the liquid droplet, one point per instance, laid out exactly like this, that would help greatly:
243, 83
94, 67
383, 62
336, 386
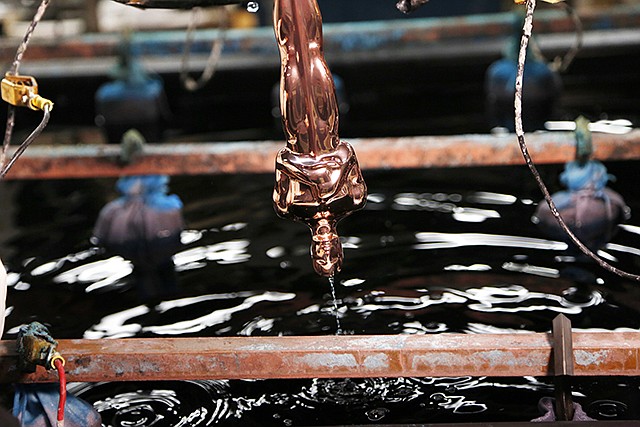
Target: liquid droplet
253, 6
335, 304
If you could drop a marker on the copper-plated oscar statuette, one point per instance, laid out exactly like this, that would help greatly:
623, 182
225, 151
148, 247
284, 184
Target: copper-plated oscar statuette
318, 179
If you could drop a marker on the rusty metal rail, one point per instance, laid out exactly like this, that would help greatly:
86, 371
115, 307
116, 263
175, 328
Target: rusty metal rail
94, 161
425, 39
596, 354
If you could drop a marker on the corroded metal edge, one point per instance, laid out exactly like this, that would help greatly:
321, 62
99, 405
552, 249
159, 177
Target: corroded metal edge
96, 161
596, 354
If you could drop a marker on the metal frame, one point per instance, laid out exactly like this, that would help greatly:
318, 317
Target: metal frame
99, 161
344, 356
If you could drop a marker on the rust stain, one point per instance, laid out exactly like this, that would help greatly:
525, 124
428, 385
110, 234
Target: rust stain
588, 358
327, 356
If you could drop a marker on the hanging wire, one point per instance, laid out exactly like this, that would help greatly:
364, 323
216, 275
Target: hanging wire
524, 41
559, 64
189, 82
15, 66
562, 63
27, 142
11, 112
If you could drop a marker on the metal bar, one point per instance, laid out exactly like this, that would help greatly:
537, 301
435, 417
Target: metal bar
562, 346
97, 161
442, 355
470, 38
563, 367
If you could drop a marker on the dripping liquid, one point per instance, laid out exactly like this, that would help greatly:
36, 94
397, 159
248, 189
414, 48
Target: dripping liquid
332, 285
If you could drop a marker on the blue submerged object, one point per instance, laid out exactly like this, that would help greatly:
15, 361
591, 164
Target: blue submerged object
36, 405
144, 226
590, 209
133, 100
541, 88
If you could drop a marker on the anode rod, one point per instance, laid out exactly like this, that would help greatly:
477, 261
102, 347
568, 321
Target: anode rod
100, 161
345, 356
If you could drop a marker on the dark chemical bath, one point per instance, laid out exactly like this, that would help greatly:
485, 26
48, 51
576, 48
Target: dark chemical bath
434, 251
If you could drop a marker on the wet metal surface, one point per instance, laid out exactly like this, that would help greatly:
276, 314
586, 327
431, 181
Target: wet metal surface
318, 178
600, 354
94, 161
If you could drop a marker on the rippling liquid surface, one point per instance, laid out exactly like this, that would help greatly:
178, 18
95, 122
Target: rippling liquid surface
433, 252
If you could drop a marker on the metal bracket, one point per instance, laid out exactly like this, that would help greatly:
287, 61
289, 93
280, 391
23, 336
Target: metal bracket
563, 367
35, 346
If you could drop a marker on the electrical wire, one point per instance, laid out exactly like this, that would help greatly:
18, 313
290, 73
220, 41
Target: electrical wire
189, 82
15, 66
524, 41
27, 142
560, 64
11, 112
58, 363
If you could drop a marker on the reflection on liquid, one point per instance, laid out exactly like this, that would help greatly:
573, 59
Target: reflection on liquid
433, 240
109, 273
185, 404
458, 404
531, 269
407, 273
505, 299
231, 252
449, 203
608, 408
115, 325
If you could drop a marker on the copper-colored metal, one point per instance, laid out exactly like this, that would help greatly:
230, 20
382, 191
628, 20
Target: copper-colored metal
100, 161
441, 355
318, 179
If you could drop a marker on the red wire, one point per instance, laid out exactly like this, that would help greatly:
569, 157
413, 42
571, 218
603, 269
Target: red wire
58, 363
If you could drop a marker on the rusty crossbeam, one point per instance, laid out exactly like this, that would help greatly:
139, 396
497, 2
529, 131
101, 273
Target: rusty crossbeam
177, 4
596, 354
96, 161
424, 39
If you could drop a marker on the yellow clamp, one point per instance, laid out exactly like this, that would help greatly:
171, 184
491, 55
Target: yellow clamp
22, 91
56, 356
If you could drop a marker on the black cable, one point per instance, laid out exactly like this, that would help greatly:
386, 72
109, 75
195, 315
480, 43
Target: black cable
15, 67
25, 144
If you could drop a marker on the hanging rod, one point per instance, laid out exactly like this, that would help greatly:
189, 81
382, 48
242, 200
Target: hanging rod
343, 356
100, 161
